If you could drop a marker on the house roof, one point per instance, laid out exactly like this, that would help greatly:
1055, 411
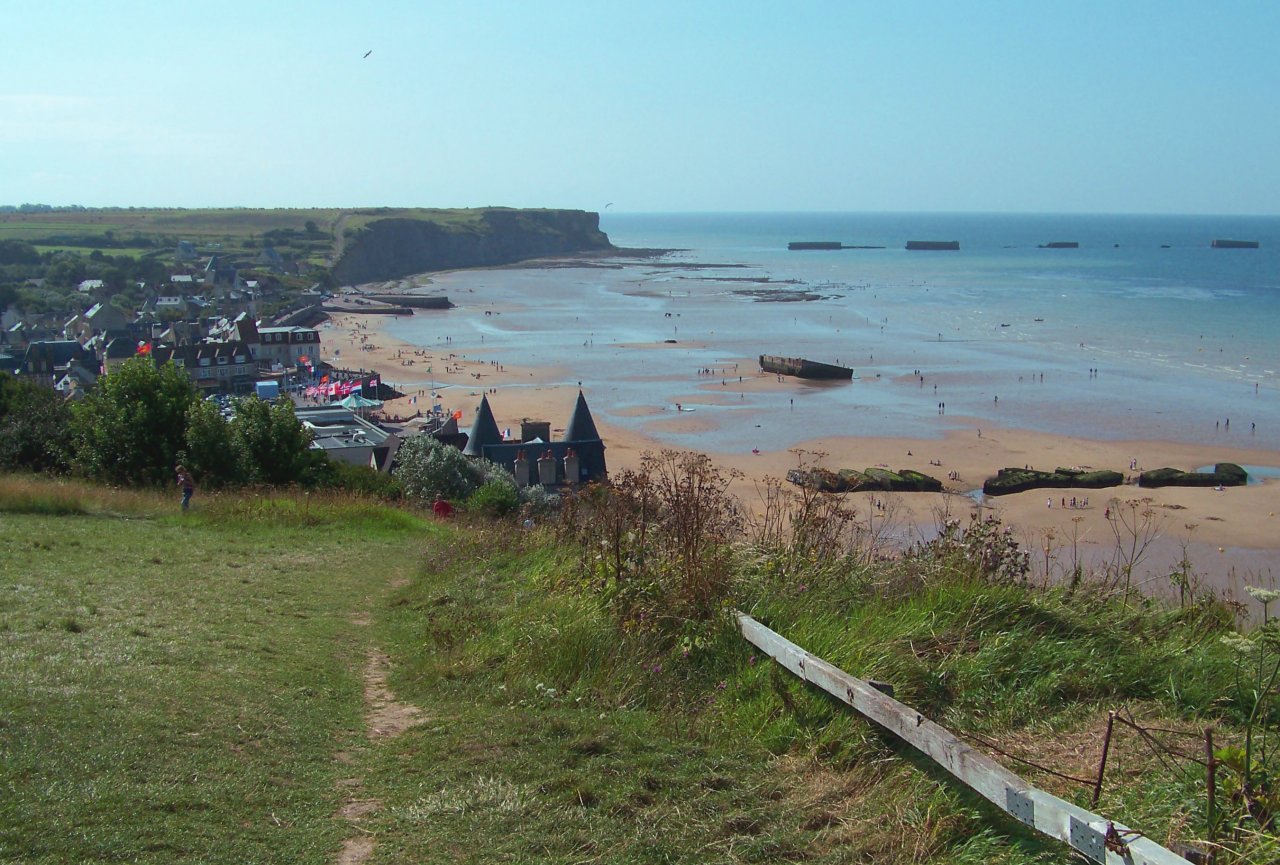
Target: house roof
581, 426
484, 430
190, 355
121, 347
56, 351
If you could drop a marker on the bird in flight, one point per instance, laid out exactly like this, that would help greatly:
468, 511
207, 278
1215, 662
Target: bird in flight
367, 53
607, 206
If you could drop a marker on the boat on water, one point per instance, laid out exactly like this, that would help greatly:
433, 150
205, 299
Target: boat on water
803, 368
1234, 244
933, 245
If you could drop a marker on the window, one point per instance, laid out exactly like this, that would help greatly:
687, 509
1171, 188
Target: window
204, 361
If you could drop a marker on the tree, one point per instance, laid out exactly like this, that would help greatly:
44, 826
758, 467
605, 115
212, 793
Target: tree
272, 444
211, 454
34, 427
8, 296
132, 426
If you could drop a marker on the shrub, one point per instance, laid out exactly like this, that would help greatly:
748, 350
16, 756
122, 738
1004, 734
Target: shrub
360, 480
657, 543
426, 469
35, 433
496, 498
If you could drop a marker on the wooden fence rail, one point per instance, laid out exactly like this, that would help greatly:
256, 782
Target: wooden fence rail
1102, 840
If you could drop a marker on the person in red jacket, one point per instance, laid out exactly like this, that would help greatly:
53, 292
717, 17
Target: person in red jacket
442, 508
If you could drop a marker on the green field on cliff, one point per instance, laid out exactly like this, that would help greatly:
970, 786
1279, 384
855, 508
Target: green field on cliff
354, 244
280, 677
209, 228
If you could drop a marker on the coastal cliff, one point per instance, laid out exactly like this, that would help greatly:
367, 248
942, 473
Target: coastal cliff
392, 247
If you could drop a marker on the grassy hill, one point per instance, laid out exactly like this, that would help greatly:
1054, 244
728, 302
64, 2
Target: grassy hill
277, 677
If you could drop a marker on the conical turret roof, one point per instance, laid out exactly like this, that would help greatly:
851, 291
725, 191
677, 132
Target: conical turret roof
581, 426
484, 431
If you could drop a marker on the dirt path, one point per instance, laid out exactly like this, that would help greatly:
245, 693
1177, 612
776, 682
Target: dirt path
385, 718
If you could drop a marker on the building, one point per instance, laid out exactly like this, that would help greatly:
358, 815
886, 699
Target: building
286, 346
577, 458
346, 437
214, 367
49, 361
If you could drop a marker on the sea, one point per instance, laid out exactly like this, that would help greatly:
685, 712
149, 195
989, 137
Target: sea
1143, 331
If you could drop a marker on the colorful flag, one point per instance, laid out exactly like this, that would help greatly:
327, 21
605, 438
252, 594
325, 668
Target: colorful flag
144, 347
304, 359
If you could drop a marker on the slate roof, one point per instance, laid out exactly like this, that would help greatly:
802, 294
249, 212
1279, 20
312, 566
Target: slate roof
484, 431
581, 427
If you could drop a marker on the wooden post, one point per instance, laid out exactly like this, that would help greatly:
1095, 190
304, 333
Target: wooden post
1057, 818
1102, 763
1210, 782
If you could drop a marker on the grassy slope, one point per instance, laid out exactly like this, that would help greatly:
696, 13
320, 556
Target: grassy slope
199, 676
175, 689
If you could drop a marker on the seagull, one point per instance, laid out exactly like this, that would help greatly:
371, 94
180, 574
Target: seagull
607, 206
367, 53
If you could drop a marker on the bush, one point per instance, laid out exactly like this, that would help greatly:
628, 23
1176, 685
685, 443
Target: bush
656, 544
496, 498
35, 431
360, 480
426, 469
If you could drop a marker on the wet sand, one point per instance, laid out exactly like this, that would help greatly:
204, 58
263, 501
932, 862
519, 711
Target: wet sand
1231, 534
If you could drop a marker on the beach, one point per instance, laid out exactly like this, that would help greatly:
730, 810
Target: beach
1230, 535
1142, 348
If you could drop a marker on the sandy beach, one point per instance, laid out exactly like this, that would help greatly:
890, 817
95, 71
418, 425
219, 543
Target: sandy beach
1230, 534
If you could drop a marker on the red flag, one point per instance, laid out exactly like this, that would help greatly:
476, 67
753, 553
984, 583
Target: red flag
302, 358
324, 379
144, 347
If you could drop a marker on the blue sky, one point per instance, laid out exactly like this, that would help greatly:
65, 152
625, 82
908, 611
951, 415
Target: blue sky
1128, 107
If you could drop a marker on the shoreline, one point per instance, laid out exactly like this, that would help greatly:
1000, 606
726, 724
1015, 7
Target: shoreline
1233, 541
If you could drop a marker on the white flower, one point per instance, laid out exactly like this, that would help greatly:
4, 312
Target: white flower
1265, 596
1239, 642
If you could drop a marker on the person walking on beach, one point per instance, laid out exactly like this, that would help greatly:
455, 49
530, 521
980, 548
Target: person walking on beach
187, 484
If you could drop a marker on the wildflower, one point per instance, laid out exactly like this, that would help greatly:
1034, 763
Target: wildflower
752, 660
722, 685
1238, 642
1262, 595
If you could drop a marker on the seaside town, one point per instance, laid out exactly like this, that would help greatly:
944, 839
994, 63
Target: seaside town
353, 415
675, 434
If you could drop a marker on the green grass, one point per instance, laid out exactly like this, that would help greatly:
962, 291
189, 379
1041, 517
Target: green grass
131, 251
176, 688
188, 688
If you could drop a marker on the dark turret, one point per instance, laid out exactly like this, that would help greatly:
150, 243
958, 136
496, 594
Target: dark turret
581, 426
484, 431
